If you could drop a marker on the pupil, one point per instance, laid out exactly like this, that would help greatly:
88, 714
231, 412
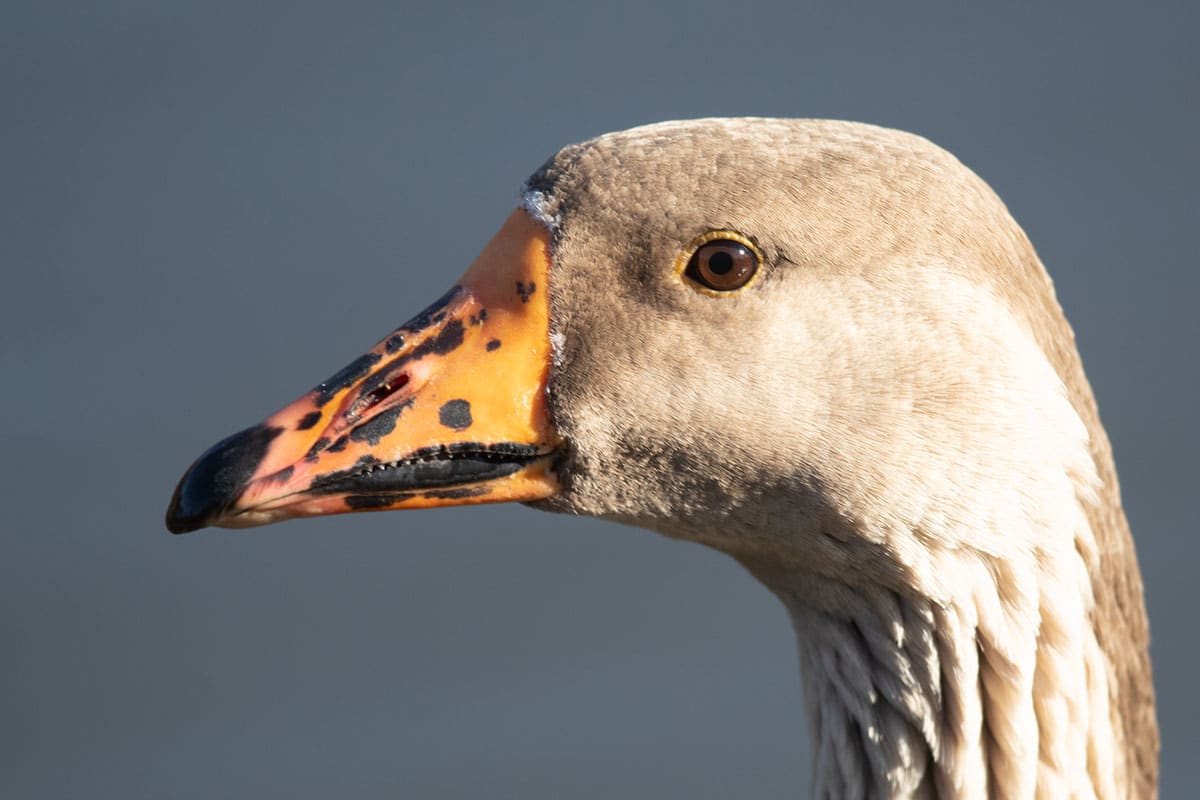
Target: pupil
720, 263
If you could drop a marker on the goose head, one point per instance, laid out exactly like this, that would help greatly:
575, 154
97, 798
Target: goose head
823, 348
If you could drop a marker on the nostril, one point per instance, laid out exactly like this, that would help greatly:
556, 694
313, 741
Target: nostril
373, 397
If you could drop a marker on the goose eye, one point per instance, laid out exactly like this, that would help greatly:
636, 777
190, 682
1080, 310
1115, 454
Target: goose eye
722, 265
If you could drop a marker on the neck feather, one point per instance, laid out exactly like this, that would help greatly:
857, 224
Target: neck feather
981, 677
942, 593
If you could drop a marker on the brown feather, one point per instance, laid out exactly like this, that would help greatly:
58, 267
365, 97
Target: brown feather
837, 198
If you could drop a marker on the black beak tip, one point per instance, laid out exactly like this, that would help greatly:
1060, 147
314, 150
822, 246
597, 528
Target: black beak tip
214, 482
182, 517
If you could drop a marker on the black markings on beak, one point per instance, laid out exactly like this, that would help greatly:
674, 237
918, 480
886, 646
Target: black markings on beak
374, 429
426, 317
310, 419
365, 502
526, 290
457, 494
345, 377
456, 414
283, 476
394, 343
494, 344
359, 502
447, 340
430, 469
318, 446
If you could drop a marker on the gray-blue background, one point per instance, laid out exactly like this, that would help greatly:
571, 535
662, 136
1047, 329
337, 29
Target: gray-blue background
207, 207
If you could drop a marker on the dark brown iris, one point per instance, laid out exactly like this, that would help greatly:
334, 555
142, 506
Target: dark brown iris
722, 265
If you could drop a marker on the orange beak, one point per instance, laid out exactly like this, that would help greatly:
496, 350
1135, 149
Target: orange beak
448, 409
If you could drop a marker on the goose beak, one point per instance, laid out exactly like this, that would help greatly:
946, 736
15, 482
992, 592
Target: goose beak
448, 409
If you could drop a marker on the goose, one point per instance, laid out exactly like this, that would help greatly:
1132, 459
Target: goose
823, 348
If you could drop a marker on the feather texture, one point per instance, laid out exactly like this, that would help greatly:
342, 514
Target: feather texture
891, 429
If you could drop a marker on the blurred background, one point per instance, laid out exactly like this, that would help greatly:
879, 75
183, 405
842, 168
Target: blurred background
206, 208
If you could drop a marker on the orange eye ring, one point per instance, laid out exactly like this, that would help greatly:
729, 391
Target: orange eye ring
719, 263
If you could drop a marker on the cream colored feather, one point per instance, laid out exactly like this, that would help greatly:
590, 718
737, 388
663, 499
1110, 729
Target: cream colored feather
891, 430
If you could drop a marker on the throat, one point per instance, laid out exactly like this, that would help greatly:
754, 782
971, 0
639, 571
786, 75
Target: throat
983, 678
875, 695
